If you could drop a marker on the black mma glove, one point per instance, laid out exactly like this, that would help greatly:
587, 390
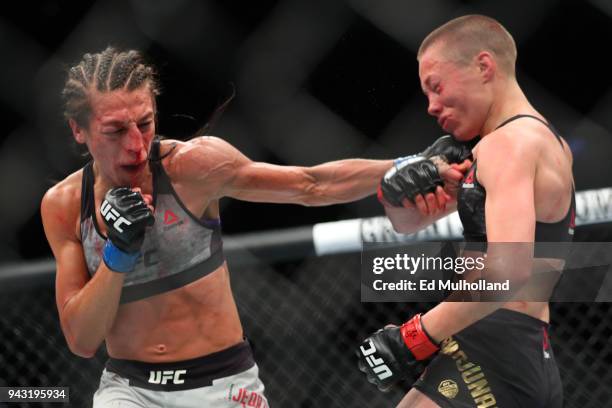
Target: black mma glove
409, 179
418, 174
389, 355
126, 216
450, 149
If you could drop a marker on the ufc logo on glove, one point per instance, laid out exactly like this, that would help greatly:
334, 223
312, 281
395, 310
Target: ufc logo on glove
110, 214
381, 370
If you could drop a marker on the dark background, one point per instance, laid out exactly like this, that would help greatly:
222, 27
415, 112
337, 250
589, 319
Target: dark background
315, 81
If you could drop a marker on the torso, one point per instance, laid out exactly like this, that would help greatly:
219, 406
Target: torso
190, 321
553, 196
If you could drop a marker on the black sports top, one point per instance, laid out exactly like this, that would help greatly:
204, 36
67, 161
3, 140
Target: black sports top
471, 207
178, 249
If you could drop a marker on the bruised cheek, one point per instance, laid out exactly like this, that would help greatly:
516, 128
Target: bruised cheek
459, 101
106, 152
149, 141
451, 101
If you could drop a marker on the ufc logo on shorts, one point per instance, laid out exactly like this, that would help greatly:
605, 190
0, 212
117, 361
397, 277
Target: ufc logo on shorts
162, 377
378, 365
110, 214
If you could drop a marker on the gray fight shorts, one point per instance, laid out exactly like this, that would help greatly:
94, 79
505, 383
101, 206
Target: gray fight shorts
225, 379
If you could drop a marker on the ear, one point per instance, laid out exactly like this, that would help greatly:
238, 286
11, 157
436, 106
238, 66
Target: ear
77, 132
487, 66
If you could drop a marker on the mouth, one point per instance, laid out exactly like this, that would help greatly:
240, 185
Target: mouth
443, 122
133, 168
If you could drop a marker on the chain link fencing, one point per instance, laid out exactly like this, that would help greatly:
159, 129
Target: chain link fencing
305, 320
316, 80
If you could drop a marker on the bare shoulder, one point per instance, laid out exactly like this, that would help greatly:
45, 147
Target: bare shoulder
510, 153
66, 193
202, 157
519, 140
60, 206
201, 147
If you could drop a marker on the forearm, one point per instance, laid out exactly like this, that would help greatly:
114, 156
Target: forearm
88, 316
410, 220
344, 180
511, 262
448, 318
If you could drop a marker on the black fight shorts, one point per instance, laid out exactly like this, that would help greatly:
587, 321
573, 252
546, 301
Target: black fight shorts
504, 360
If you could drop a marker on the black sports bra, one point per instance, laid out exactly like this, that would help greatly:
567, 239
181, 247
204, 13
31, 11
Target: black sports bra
471, 208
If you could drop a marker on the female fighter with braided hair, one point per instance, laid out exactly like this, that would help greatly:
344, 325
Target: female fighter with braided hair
137, 240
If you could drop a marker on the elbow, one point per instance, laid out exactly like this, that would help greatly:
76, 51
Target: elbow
514, 270
79, 349
521, 277
79, 346
521, 259
82, 352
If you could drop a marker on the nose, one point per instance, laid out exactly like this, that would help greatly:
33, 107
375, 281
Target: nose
434, 108
134, 140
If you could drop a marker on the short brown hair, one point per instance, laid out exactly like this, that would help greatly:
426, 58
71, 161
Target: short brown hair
464, 37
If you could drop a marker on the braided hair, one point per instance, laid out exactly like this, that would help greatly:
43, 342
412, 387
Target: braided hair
105, 71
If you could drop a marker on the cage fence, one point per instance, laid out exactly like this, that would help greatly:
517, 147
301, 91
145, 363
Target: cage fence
304, 318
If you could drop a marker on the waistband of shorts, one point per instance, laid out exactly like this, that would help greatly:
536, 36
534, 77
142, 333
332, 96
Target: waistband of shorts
508, 315
507, 326
186, 374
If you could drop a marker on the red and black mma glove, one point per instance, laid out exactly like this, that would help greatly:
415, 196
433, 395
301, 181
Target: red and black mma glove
418, 174
390, 354
126, 216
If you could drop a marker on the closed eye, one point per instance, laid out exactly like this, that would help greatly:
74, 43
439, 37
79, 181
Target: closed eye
116, 132
145, 125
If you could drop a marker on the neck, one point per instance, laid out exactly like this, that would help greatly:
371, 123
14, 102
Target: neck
508, 100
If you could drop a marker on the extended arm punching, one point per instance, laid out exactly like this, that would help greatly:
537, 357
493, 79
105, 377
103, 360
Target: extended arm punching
211, 163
